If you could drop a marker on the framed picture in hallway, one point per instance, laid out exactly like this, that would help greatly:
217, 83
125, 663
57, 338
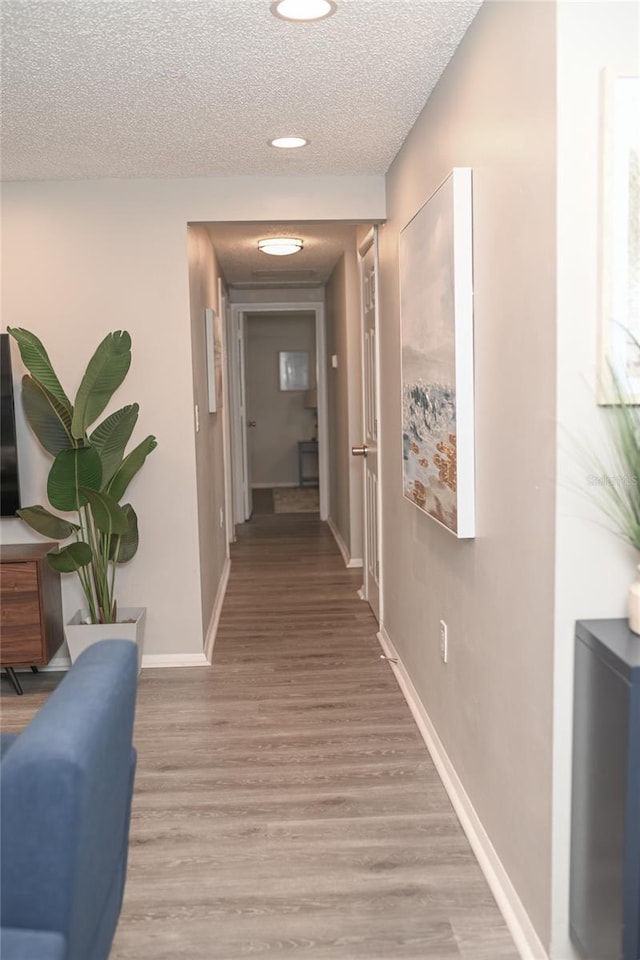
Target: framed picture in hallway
213, 353
619, 321
293, 369
436, 314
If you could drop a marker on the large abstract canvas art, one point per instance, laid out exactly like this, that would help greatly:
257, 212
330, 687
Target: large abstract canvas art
436, 309
619, 326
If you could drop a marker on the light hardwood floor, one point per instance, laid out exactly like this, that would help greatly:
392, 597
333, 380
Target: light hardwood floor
285, 805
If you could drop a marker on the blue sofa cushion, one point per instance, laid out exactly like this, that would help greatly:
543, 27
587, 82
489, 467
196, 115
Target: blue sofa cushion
6, 739
65, 800
31, 945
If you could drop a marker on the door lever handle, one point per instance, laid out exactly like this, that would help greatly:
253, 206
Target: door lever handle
251, 423
359, 451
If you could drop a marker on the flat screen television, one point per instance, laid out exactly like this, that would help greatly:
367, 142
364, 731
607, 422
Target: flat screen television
9, 481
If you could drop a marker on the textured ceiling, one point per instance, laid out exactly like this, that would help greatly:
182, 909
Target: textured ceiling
243, 265
195, 88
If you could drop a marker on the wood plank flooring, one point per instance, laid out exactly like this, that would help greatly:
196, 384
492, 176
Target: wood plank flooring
285, 804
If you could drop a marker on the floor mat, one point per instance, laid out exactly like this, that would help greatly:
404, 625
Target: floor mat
296, 500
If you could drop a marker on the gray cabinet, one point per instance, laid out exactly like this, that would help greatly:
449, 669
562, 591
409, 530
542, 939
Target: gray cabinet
605, 817
308, 463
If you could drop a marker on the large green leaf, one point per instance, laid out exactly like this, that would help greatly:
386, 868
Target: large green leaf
108, 515
105, 372
130, 466
36, 360
123, 548
111, 437
46, 523
71, 558
48, 418
71, 470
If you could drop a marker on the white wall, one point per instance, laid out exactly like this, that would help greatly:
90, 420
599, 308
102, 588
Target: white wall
493, 110
209, 439
78, 261
593, 568
280, 416
82, 258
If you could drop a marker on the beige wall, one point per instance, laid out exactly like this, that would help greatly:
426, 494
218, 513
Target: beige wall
493, 110
281, 418
82, 258
209, 439
78, 262
593, 567
345, 401
277, 295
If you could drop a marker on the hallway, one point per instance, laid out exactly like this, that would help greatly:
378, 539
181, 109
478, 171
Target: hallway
285, 804
289, 807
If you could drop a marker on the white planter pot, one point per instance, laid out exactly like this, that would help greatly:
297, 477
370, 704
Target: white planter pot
80, 635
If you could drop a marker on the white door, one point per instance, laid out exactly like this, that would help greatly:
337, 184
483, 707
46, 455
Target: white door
225, 315
370, 447
246, 479
242, 505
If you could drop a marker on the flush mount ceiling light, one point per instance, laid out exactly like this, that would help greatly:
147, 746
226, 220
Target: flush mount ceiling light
302, 10
280, 246
288, 143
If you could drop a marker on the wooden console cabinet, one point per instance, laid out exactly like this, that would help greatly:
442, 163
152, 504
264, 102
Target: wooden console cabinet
30, 608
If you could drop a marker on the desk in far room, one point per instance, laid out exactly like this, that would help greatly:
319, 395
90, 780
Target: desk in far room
308, 463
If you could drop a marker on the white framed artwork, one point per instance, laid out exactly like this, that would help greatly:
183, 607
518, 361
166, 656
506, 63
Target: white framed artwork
293, 368
619, 315
213, 354
436, 313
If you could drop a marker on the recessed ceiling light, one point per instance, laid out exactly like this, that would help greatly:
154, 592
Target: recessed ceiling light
288, 143
280, 246
303, 9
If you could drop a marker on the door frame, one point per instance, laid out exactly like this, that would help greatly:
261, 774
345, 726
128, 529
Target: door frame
223, 312
371, 239
236, 323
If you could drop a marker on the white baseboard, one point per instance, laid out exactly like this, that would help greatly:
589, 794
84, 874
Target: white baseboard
174, 660
349, 561
269, 486
62, 663
516, 917
212, 630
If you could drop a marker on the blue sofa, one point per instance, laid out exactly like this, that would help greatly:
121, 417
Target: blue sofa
66, 784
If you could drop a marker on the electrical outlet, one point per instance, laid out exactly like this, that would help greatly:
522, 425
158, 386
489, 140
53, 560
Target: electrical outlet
444, 642
197, 413
221, 518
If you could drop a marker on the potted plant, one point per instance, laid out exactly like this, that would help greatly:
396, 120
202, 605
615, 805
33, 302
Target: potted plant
614, 479
88, 478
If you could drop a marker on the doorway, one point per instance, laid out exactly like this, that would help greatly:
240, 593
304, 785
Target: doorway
277, 429
282, 422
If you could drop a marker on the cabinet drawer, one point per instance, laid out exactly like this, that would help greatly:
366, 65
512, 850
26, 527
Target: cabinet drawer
20, 618
30, 606
19, 578
20, 641
23, 610
24, 649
